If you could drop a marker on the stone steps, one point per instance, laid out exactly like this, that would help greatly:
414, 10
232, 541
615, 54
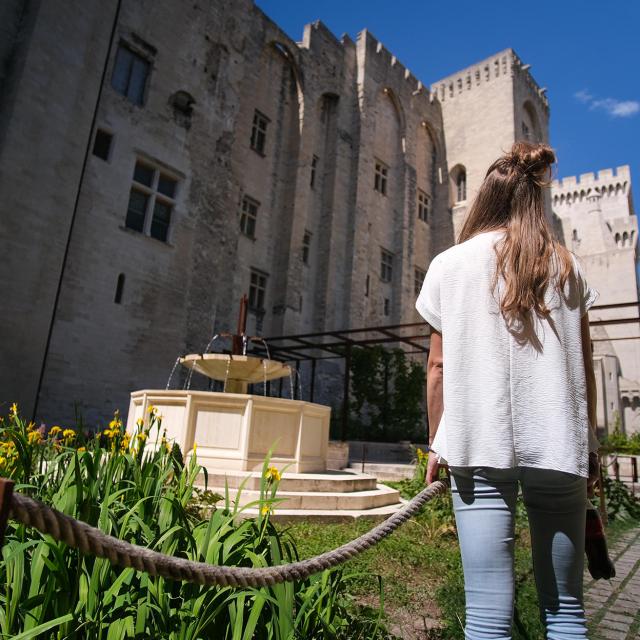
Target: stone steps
384, 471
327, 516
381, 496
342, 481
330, 496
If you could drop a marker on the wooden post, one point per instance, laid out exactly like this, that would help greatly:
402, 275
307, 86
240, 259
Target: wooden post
6, 494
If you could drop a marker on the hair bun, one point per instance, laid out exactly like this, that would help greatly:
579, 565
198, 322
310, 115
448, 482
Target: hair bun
531, 159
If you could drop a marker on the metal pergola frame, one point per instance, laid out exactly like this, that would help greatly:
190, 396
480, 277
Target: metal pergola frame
334, 345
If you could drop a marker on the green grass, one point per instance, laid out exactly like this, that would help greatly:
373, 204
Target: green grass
419, 567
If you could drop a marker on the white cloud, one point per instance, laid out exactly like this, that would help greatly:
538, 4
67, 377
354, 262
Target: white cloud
615, 108
583, 96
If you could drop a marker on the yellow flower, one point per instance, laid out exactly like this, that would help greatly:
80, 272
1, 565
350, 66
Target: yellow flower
125, 443
68, 434
142, 436
14, 410
151, 409
3, 461
140, 422
265, 510
195, 447
273, 474
81, 449
31, 426
34, 437
54, 431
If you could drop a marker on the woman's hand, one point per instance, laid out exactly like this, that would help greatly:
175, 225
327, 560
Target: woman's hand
594, 473
433, 467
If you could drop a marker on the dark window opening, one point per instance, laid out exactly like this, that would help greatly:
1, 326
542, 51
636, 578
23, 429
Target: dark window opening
366, 287
461, 186
314, 166
119, 289
306, 246
259, 132
386, 265
102, 144
424, 204
418, 278
380, 180
387, 306
249, 216
130, 74
151, 201
257, 290
137, 210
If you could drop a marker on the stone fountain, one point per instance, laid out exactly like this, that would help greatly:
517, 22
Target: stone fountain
234, 430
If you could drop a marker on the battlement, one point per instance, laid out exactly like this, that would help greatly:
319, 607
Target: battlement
605, 177
378, 52
499, 64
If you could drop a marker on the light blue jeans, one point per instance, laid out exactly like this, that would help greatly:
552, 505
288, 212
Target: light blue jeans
484, 502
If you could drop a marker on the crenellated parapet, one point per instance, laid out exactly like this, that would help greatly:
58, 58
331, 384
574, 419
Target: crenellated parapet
501, 64
607, 183
394, 71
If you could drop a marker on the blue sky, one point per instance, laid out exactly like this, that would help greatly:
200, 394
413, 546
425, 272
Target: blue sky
586, 53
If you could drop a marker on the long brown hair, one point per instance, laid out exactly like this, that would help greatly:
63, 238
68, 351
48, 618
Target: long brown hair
511, 196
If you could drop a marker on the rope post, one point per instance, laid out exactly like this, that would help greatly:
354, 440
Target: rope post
6, 493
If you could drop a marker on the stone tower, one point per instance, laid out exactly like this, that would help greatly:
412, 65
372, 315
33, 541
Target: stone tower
601, 228
485, 109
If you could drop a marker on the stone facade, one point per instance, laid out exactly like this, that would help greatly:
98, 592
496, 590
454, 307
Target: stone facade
601, 228
318, 176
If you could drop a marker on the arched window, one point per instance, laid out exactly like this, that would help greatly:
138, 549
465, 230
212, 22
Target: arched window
617, 239
119, 289
461, 186
575, 235
625, 239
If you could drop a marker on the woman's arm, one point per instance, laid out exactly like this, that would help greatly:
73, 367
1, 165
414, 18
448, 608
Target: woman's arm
590, 375
435, 403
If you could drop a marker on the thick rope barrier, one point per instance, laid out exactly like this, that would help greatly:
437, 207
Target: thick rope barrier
92, 541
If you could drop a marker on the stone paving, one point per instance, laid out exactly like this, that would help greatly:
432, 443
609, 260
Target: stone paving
613, 606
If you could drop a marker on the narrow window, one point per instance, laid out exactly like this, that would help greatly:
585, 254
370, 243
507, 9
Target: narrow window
423, 206
306, 246
461, 186
248, 216
151, 201
387, 306
386, 265
366, 287
418, 279
119, 289
130, 74
137, 210
526, 133
259, 132
380, 180
314, 165
102, 144
257, 290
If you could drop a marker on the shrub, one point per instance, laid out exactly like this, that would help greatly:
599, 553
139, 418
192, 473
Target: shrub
144, 495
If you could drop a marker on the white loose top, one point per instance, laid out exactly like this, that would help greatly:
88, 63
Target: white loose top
507, 402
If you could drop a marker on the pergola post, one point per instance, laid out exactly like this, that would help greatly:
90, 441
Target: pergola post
345, 398
312, 386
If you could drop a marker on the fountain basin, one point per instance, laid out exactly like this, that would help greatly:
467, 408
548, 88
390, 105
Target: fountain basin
236, 430
237, 371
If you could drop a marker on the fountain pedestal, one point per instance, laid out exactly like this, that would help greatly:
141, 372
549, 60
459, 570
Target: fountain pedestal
235, 431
